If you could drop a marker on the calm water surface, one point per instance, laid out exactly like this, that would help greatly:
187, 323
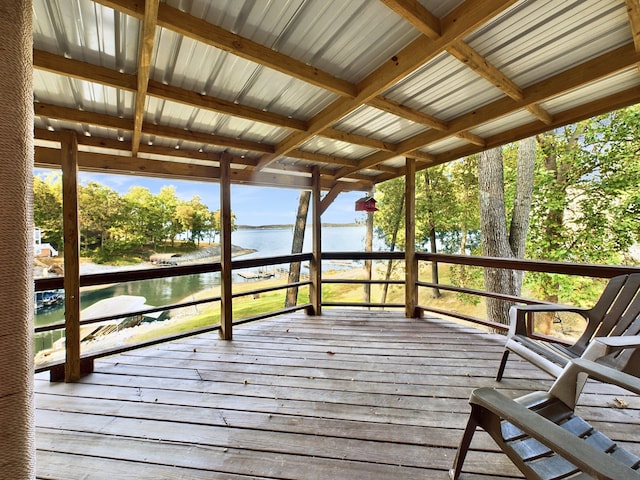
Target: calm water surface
164, 291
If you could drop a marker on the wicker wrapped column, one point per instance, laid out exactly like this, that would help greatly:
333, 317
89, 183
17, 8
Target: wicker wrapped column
17, 444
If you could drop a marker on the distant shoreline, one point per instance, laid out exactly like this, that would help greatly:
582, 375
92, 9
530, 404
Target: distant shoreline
291, 225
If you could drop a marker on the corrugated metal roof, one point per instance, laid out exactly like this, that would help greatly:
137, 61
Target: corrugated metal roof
321, 63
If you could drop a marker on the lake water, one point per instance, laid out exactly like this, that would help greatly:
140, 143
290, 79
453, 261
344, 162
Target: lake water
164, 291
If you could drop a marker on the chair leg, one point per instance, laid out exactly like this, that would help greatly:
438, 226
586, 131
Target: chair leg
470, 429
503, 363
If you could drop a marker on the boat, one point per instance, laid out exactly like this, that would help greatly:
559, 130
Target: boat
49, 299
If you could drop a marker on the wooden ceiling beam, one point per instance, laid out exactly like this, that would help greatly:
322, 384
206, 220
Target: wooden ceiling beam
96, 74
205, 32
118, 164
60, 65
331, 160
633, 11
182, 155
598, 107
145, 52
209, 34
109, 121
355, 139
417, 15
402, 111
194, 99
484, 68
454, 26
422, 19
81, 116
615, 60
472, 138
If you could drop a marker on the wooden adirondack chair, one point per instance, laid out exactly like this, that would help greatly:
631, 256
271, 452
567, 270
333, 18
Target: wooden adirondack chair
540, 431
615, 314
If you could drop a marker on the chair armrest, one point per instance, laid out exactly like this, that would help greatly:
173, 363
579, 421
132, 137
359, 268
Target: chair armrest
619, 343
608, 375
550, 307
601, 346
586, 457
518, 315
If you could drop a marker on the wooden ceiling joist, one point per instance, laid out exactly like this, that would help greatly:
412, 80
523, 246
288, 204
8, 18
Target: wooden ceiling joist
293, 156
454, 26
145, 51
618, 59
97, 162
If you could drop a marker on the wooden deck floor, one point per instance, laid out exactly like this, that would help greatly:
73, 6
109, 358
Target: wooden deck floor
349, 395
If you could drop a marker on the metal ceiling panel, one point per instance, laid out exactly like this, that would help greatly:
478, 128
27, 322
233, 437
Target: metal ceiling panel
325, 146
191, 65
177, 115
624, 80
346, 39
443, 88
87, 31
374, 123
537, 39
81, 95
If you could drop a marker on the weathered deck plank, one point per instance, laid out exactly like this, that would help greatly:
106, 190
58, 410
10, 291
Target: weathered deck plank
348, 395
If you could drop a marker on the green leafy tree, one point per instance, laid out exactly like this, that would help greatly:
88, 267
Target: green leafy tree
195, 218
100, 212
586, 200
47, 208
167, 202
143, 217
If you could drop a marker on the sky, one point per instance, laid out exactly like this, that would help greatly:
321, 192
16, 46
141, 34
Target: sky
251, 205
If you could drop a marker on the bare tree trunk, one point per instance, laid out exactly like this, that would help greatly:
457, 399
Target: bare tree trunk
495, 240
296, 246
435, 292
522, 204
554, 221
394, 236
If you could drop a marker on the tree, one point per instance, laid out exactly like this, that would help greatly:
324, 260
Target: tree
586, 200
99, 211
143, 217
47, 208
168, 204
497, 239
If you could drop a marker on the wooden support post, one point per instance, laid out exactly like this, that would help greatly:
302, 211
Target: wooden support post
226, 313
411, 264
316, 263
71, 228
368, 247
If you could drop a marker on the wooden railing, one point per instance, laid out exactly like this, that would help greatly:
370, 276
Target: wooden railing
53, 283
597, 271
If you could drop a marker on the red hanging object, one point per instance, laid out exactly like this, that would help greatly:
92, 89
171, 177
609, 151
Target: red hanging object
366, 204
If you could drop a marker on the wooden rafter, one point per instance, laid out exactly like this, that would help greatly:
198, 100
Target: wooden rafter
454, 26
202, 31
633, 11
439, 35
417, 15
99, 162
145, 51
421, 19
618, 59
